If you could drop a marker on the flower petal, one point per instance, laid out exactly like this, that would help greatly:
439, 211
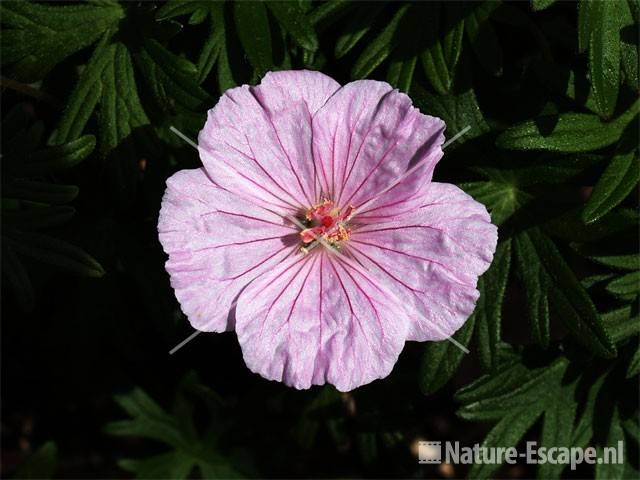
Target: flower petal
256, 142
316, 319
432, 258
366, 136
217, 243
279, 89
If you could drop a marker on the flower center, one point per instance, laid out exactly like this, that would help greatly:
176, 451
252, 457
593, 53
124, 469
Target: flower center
325, 224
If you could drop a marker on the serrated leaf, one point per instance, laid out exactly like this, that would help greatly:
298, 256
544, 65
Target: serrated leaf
611, 258
54, 252
190, 449
583, 430
619, 178
622, 322
506, 433
444, 42
571, 227
356, 28
570, 132
492, 285
534, 387
440, 360
41, 464
508, 377
148, 420
253, 29
574, 306
52, 159
633, 368
85, 96
295, 22
400, 73
615, 434
604, 55
536, 283
483, 38
587, 17
175, 465
172, 80
121, 111
625, 286
329, 12
458, 111
379, 48
502, 199
557, 428
38, 37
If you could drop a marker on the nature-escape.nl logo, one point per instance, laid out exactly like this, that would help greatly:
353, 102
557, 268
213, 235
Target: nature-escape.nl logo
432, 453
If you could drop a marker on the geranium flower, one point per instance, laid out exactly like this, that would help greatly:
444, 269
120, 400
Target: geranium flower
305, 234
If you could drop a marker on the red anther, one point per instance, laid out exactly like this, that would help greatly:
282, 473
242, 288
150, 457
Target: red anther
327, 221
310, 234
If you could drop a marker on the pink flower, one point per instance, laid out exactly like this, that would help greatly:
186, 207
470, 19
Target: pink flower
377, 261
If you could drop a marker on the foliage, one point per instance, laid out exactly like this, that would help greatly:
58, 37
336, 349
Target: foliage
549, 91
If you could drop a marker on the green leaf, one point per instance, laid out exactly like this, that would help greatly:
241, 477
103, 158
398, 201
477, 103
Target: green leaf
583, 430
252, 24
531, 387
400, 73
86, 94
174, 465
619, 178
604, 55
634, 364
380, 48
294, 21
440, 360
120, 109
629, 47
54, 252
444, 42
492, 285
189, 448
36, 191
329, 12
37, 37
516, 396
622, 322
536, 283
172, 80
504, 380
52, 159
587, 19
16, 277
557, 429
483, 38
615, 435
572, 132
536, 252
610, 258
538, 5
501, 198
41, 464
458, 111
356, 28
625, 286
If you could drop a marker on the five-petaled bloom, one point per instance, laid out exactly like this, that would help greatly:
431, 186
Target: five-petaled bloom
305, 233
